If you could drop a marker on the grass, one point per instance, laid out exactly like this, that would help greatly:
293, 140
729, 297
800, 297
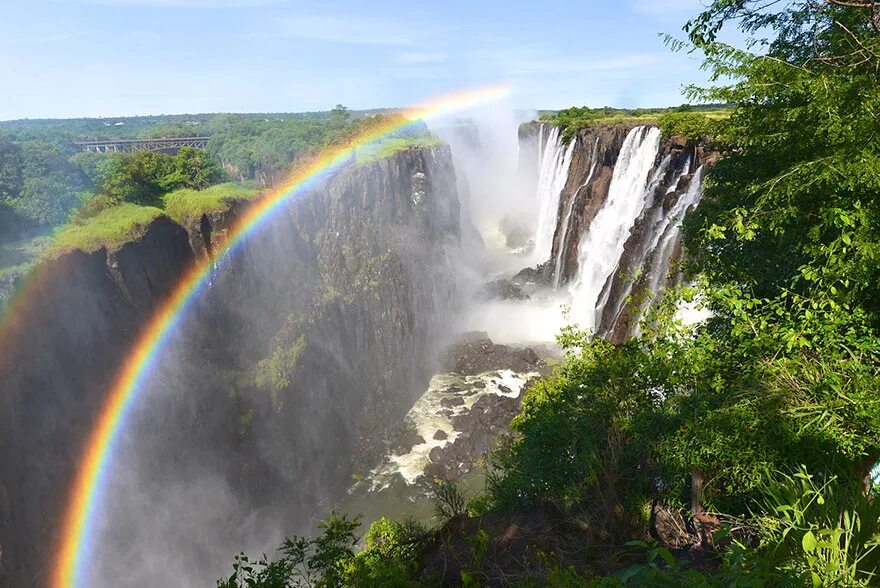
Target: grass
388, 147
185, 204
110, 228
125, 222
572, 120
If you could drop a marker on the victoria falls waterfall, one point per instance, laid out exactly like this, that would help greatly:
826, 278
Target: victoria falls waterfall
374, 335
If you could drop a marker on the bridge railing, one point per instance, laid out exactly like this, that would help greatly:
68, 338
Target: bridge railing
132, 145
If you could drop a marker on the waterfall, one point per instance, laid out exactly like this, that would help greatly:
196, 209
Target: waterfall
553, 163
660, 228
648, 220
601, 248
666, 245
563, 239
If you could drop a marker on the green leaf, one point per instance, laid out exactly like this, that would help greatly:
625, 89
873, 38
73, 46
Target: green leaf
809, 542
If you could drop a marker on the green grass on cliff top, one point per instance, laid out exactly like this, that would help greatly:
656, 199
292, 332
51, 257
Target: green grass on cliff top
571, 120
109, 228
388, 147
185, 204
119, 224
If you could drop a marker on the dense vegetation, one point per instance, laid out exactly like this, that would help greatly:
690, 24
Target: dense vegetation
47, 186
692, 121
764, 420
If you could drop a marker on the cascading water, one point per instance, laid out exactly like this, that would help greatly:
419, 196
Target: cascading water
659, 221
553, 163
601, 248
563, 239
667, 238
656, 219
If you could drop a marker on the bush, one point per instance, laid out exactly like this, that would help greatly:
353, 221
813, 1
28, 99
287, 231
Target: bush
693, 126
329, 560
827, 533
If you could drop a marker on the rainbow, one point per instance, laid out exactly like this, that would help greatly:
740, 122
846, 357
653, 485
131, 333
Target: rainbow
79, 522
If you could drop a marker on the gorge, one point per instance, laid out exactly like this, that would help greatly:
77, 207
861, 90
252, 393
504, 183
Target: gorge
314, 340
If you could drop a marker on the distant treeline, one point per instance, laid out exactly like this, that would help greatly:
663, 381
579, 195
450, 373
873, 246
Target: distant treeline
67, 130
43, 178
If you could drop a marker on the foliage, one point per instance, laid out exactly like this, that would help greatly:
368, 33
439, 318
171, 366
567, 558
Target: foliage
693, 126
274, 372
661, 568
142, 177
186, 203
264, 150
110, 228
388, 147
579, 432
449, 500
38, 181
571, 120
824, 532
329, 560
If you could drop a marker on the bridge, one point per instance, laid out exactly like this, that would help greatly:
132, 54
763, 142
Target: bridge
168, 145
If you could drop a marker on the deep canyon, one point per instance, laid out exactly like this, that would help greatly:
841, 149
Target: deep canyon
384, 324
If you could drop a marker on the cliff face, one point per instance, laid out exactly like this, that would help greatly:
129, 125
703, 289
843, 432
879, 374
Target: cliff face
652, 250
316, 331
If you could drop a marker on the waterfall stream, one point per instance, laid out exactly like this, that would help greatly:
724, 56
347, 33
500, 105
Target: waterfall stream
566, 222
553, 163
601, 248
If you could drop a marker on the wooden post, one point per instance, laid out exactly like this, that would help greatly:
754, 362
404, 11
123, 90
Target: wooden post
696, 492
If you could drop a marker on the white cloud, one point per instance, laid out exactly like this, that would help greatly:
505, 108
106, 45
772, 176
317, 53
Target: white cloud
416, 58
349, 30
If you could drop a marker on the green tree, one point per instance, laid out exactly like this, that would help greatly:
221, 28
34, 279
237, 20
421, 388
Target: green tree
10, 170
192, 168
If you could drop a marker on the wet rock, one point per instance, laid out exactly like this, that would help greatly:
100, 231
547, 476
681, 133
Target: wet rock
479, 384
405, 441
476, 353
516, 234
436, 455
503, 290
435, 471
450, 402
440, 435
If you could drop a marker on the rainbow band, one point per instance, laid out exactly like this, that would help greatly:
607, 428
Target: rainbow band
78, 524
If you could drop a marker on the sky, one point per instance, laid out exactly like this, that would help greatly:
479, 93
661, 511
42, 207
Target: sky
72, 58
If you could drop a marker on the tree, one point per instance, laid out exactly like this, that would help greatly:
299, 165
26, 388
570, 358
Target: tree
10, 170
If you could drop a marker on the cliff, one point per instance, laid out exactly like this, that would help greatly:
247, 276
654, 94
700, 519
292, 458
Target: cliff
652, 250
317, 330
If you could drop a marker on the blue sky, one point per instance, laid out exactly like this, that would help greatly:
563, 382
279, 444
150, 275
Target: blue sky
65, 58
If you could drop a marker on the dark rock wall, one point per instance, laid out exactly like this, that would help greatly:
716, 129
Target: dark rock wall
312, 335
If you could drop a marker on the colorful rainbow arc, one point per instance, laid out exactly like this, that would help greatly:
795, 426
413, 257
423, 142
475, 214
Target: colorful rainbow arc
85, 497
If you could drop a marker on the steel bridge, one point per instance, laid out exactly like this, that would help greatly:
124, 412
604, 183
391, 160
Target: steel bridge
172, 144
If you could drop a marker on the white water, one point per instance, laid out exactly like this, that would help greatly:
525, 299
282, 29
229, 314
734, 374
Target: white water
672, 229
554, 159
428, 415
602, 246
563, 239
